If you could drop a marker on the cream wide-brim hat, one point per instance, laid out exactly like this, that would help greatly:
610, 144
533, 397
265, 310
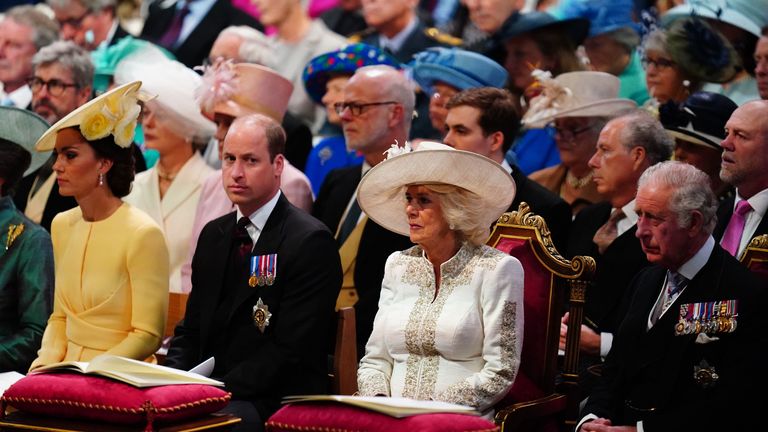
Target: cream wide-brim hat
380, 190
589, 94
48, 140
24, 128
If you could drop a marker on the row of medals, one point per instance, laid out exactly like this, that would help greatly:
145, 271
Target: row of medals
261, 280
719, 323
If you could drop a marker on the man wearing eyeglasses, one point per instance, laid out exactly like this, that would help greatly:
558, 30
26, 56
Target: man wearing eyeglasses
376, 113
88, 23
61, 81
23, 31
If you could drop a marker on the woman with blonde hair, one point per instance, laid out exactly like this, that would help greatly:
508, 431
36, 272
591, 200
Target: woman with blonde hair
450, 319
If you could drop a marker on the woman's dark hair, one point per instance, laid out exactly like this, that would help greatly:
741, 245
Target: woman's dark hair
14, 160
120, 176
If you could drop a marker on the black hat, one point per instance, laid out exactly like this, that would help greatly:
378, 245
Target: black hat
575, 29
700, 119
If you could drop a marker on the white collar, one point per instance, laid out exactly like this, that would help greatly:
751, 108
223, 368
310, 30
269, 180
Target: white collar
758, 202
396, 42
260, 216
693, 266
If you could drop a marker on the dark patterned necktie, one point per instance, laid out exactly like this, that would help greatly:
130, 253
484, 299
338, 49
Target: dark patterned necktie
609, 231
241, 241
171, 36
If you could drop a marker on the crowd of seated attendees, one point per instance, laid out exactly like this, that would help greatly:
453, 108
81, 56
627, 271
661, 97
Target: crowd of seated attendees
279, 160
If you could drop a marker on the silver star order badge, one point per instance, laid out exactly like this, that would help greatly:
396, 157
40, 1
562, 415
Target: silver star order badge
261, 315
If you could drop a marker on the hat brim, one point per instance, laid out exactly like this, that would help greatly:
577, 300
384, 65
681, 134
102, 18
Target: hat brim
576, 29
427, 74
697, 138
24, 128
727, 15
379, 190
48, 140
602, 108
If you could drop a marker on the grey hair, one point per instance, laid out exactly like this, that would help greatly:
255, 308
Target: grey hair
254, 48
71, 56
91, 5
462, 210
645, 131
656, 41
44, 29
399, 88
691, 191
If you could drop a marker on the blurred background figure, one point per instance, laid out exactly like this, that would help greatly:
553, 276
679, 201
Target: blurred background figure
761, 66
298, 38
611, 45
490, 17
579, 104
88, 23
324, 79
111, 291
188, 28
698, 126
538, 40
23, 31
741, 22
680, 59
169, 191
61, 82
26, 253
346, 18
443, 72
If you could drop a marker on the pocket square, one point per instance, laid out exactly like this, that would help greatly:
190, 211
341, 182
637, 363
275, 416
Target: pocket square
702, 338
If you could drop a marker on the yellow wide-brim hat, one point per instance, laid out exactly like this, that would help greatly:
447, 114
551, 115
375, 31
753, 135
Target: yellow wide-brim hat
114, 112
379, 191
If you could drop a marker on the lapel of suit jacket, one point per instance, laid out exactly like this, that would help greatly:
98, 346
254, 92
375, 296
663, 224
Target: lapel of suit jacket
724, 212
218, 254
269, 242
188, 181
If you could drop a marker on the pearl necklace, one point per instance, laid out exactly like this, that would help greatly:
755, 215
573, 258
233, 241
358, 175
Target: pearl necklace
163, 176
578, 183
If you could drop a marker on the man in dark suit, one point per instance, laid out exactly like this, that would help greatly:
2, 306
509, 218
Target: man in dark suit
395, 27
376, 111
626, 147
689, 355
88, 23
205, 17
744, 162
485, 121
264, 283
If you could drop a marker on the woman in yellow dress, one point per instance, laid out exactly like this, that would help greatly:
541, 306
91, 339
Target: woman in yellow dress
111, 260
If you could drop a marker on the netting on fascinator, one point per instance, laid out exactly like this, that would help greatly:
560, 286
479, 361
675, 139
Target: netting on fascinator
218, 84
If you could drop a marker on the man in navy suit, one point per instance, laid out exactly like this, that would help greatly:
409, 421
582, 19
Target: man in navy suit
264, 282
744, 162
689, 354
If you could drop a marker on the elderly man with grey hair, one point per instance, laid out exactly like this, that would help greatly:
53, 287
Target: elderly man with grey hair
690, 352
626, 147
23, 31
376, 113
88, 23
61, 81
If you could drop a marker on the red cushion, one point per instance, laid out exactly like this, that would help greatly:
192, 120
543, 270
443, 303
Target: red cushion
101, 399
343, 418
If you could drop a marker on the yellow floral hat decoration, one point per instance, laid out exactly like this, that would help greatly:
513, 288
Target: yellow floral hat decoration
112, 113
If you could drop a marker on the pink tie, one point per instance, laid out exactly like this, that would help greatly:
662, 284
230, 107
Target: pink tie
735, 229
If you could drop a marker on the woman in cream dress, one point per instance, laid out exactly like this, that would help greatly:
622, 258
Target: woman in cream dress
169, 191
450, 319
111, 260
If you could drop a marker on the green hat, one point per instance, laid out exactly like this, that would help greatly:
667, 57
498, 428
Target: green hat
24, 128
106, 58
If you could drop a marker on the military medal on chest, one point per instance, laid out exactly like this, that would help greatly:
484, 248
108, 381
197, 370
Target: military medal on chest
263, 270
261, 315
708, 317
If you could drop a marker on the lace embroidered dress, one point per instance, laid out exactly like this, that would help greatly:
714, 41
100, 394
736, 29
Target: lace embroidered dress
462, 346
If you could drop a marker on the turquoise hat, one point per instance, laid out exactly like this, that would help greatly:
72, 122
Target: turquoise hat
106, 58
344, 61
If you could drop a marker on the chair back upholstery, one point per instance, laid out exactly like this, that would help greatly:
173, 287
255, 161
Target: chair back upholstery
550, 283
344, 380
755, 256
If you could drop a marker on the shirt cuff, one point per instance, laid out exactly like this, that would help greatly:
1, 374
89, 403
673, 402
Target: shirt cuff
606, 340
586, 418
640, 427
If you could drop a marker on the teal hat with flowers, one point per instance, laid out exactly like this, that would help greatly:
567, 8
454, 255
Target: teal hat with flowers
342, 62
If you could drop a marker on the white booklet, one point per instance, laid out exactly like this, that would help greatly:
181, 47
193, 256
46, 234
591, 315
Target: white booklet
393, 406
134, 372
7, 379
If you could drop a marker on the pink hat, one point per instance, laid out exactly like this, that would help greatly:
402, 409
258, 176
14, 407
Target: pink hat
243, 88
